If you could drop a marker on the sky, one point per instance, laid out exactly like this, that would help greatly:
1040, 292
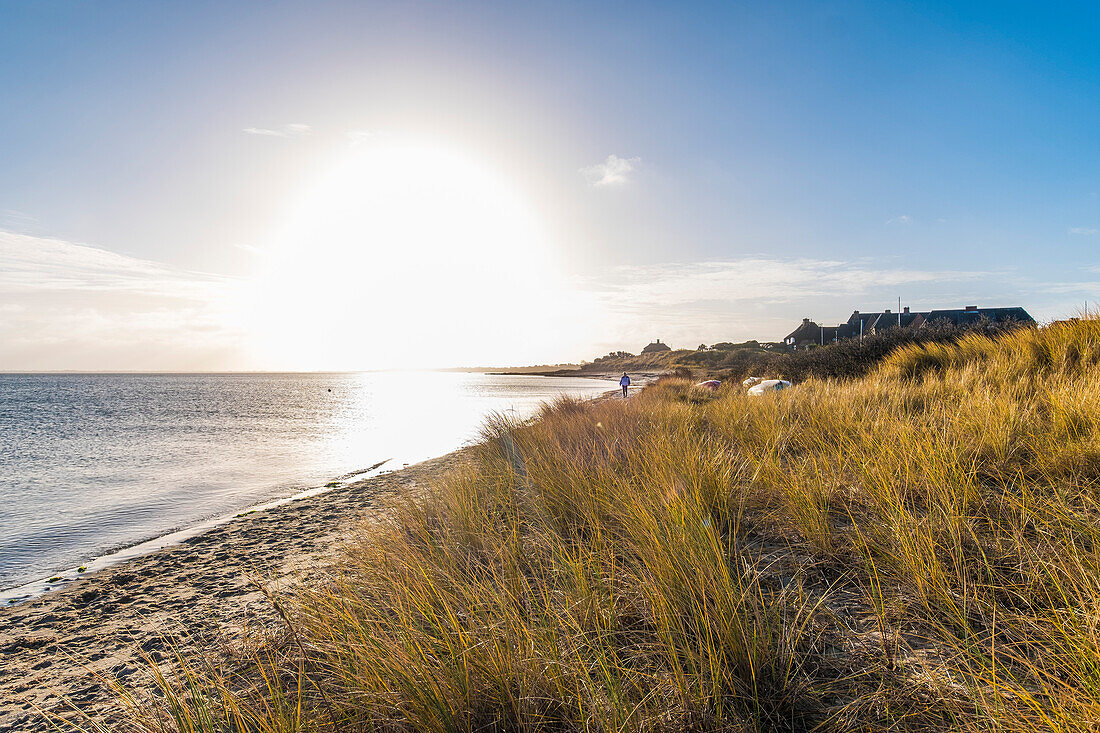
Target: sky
337, 186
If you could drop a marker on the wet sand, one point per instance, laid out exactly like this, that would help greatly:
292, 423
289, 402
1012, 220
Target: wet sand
53, 647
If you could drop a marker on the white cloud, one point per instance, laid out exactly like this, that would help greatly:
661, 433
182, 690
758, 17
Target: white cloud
1084, 231
38, 264
1083, 287
295, 129
251, 249
18, 219
754, 279
759, 297
765, 297
612, 172
73, 306
903, 219
358, 137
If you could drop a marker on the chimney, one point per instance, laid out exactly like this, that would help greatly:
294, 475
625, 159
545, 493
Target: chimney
805, 321
906, 309
972, 307
855, 313
887, 310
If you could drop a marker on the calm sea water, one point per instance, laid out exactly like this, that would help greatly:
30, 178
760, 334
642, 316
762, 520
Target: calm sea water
91, 463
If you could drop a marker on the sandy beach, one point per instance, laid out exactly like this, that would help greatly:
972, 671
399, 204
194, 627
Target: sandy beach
53, 647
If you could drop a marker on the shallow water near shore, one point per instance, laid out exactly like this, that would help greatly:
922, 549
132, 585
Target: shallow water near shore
93, 462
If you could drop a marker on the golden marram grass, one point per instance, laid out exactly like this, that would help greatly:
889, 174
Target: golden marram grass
919, 549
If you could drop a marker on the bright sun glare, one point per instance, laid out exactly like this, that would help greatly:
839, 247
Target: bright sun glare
403, 254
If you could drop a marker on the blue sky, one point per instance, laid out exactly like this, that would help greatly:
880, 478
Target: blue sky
771, 160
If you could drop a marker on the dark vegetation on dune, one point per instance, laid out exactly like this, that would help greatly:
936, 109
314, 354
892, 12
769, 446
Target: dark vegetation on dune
917, 549
622, 361
847, 359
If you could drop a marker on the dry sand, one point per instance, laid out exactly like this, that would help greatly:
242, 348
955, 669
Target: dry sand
53, 647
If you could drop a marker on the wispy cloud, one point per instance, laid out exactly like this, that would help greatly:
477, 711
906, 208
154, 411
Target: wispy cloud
17, 219
251, 249
38, 264
764, 297
295, 129
758, 297
612, 172
71, 305
357, 137
773, 280
1083, 231
1084, 288
903, 219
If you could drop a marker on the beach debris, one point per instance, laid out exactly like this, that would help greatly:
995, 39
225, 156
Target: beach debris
711, 384
752, 381
768, 385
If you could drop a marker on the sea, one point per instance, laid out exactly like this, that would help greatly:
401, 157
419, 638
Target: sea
94, 463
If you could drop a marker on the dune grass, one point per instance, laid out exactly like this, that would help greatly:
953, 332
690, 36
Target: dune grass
916, 550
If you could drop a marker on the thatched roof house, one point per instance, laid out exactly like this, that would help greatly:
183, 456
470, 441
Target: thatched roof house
859, 324
655, 347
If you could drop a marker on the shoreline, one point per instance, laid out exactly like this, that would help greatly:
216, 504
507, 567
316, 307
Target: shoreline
56, 577
54, 645
59, 579
58, 644
641, 377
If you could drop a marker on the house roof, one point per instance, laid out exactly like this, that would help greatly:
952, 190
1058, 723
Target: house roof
806, 331
867, 318
811, 331
656, 346
888, 320
969, 315
878, 322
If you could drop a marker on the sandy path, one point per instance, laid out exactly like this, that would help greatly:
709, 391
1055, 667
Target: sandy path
50, 647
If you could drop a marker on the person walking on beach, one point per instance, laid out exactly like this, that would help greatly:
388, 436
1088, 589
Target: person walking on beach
624, 383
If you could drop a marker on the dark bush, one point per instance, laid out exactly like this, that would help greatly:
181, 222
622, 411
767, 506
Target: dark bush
613, 355
846, 359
